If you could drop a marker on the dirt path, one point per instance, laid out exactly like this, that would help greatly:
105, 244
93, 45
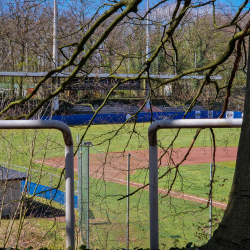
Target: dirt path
114, 166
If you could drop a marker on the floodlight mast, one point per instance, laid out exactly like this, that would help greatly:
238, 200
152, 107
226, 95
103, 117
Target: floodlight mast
148, 54
69, 166
55, 53
153, 161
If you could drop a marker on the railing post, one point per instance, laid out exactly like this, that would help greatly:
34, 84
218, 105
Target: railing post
85, 173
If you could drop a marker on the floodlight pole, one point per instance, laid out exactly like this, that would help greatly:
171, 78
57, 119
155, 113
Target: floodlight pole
69, 166
153, 161
55, 43
147, 54
55, 53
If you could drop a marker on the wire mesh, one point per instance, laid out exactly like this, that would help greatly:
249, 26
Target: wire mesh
185, 207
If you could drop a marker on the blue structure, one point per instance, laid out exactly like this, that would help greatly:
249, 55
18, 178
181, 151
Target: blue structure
46, 192
73, 120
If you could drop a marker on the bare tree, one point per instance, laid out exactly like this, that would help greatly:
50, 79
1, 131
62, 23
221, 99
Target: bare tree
111, 39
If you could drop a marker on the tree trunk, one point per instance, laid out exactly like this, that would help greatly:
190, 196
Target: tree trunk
233, 232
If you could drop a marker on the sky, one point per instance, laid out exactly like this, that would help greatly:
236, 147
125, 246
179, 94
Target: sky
232, 3
90, 6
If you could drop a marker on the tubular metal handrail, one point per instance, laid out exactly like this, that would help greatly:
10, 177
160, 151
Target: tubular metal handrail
153, 161
69, 166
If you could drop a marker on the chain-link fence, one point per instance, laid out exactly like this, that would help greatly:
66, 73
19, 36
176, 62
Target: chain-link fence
118, 220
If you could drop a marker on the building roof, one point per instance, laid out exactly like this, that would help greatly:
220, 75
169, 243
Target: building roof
102, 75
11, 174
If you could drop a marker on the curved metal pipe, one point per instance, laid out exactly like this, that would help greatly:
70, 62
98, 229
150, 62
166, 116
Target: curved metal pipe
69, 166
153, 161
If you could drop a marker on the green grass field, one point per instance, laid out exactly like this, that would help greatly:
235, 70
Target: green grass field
139, 140
195, 179
180, 220
20, 146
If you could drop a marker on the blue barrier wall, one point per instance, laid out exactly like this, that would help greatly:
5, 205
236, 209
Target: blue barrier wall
73, 120
46, 192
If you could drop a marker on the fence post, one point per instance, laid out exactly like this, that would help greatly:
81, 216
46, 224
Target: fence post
79, 187
83, 190
85, 174
78, 180
128, 175
211, 199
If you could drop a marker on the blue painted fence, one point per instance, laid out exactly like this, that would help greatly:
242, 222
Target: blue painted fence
46, 192
73, 120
